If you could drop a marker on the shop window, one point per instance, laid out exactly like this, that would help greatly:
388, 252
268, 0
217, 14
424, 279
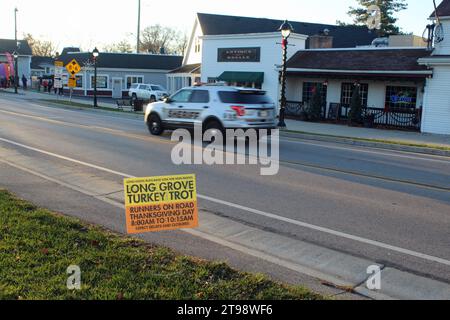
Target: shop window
347, 93
79, 81
401, 97
102, 82
134, 79
310, 87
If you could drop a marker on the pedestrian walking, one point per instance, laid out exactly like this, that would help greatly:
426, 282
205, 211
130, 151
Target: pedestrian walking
24, 82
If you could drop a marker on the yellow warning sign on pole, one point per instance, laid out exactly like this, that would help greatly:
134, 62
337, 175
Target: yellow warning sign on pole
161, 203
72, 82
73, 67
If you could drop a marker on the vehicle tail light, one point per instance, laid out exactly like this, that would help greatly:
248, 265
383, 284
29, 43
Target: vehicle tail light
240, 110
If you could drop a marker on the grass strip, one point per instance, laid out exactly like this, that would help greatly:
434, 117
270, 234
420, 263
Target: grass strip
37, 246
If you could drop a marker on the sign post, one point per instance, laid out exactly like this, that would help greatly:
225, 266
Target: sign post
58, 81
73, 68
160, 203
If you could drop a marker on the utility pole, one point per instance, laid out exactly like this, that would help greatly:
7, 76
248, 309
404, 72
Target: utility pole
138, 45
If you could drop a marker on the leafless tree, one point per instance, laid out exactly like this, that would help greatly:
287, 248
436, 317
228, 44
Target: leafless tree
120, 47
159, 39
43, 48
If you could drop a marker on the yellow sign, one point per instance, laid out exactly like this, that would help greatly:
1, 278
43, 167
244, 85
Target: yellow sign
73, 67
161, 203
59, 64
72, 82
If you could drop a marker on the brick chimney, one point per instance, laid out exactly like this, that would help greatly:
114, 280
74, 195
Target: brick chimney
321, 41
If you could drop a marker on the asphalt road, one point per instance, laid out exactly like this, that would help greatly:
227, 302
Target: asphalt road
394, 200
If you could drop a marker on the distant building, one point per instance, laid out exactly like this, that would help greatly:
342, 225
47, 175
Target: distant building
390, 82
246, 51
117, 71
42, 66
8, 47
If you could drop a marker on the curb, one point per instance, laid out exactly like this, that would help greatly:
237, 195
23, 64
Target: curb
355, 142
101, 109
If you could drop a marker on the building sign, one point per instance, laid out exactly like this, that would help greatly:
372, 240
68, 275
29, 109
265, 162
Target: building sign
161, 203
239, 54
401, 97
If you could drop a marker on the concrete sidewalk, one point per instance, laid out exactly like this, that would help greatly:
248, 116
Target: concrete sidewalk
35, 95
394, 136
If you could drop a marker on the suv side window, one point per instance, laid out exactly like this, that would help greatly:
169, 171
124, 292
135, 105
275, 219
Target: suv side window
182, 96
200, 96
142, 87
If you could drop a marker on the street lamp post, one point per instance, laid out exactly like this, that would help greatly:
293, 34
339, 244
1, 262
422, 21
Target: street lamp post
286, 29
16, 72
95, 55
15, 54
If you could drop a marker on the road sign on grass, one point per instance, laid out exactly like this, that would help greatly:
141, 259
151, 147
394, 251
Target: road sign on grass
161, 203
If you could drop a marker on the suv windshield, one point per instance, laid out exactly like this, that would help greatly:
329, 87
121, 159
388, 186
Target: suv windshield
244, 97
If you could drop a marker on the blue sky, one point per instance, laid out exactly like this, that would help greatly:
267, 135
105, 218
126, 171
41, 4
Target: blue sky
90, 23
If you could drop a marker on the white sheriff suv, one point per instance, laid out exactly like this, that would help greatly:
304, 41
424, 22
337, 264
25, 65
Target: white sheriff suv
147, 92
214, 107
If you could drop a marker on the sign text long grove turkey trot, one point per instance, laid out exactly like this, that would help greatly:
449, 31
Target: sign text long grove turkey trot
161, 203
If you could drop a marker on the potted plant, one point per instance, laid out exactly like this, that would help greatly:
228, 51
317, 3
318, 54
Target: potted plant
315, 106
356, 110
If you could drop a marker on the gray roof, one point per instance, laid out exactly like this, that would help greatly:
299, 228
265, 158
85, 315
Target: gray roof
443, 10
371, 60
37, 62
127, 60
10, 45
66, 50
343, 36
189, 68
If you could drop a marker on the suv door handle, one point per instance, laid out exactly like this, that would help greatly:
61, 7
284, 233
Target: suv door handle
205, 107
180, 107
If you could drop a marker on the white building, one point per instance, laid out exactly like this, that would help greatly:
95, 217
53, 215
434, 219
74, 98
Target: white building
390, 83
247, 51
436, 113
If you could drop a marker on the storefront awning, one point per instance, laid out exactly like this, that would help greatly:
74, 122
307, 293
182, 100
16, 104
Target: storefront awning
236, 76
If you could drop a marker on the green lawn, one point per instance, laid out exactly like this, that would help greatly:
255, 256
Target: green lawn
37, 246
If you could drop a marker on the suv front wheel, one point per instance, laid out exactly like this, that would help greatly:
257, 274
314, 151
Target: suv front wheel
155, 125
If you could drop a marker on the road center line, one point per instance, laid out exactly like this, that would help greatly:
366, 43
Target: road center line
254, 211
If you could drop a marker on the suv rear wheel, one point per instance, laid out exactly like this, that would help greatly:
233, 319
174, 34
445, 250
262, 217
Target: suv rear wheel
155, 125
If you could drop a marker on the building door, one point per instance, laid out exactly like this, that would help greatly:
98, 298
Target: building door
117, 88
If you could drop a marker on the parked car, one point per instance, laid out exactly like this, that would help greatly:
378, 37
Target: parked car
215, 107
148, 92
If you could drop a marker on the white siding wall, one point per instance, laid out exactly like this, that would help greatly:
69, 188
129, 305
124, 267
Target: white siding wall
443, 48
436, 117
193, 57
271, 55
